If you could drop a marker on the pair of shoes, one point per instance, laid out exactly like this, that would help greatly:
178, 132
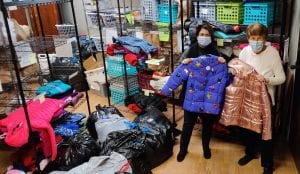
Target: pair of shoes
181, 155
207, 153
268, 170
246, 159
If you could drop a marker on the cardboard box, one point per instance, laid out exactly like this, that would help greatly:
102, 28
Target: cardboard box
152, 37
93, 63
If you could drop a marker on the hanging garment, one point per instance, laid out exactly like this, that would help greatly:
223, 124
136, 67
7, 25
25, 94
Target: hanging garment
206, 81
135, 45
40, 114
247, 103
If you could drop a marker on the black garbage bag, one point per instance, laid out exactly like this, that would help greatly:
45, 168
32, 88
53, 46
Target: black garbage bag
143, 101
93, 118
131, 144
159, 141
75, 151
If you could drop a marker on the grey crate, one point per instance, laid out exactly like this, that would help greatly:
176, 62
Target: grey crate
205, 10
149, 10
66, 30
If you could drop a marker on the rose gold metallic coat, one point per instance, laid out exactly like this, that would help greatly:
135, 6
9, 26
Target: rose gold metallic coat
247, 103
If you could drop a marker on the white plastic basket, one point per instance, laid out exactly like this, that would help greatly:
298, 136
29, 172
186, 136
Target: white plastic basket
95, 75
92, 20
66, 30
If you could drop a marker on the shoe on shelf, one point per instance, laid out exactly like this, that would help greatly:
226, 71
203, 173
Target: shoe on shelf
207, 153
181, 155
268, 170
246, 159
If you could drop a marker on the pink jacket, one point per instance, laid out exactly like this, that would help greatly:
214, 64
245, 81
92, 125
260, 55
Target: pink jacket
247, 103
40, 115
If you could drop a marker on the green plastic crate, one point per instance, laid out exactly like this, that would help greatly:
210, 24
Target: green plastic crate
230, 12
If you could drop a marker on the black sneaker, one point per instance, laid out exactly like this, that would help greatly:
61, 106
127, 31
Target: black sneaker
207, 154
181, 155
246, 159
268, 170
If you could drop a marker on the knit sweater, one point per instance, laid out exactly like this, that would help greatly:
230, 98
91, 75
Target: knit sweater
268, 64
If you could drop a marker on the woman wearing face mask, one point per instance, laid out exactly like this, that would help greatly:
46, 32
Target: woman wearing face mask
203, 46
266, 61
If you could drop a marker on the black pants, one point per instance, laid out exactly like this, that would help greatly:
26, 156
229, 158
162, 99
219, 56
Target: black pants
255, 144
190, 119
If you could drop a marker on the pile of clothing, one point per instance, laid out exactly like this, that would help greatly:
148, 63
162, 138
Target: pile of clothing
133, 48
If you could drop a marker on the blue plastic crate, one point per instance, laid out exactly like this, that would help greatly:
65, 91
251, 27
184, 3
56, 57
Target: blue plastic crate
262, 12
115, 66
164, 13
118, 95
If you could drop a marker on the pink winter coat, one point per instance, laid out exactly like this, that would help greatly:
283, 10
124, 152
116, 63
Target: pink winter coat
247, 103
40, 115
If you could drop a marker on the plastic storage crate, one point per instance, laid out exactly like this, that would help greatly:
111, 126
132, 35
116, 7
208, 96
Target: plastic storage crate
164, 13
115, 66
262, 12
167, 2
66, 30
149, 10
205, 10
92, 20
118, 95
119, 82
118, 88
230, 12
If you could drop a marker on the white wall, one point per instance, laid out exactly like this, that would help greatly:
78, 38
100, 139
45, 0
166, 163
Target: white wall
294, 36
66, 14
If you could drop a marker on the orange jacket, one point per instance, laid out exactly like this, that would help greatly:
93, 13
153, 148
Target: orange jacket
247, 103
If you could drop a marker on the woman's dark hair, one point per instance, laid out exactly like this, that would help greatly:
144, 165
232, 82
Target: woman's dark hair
206, 27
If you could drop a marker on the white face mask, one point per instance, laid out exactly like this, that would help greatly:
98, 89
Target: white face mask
203, 40
256, 46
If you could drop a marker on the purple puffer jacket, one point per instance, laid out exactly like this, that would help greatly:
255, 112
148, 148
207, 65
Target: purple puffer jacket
206, 81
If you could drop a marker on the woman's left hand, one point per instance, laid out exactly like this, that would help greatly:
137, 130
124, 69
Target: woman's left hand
187, 61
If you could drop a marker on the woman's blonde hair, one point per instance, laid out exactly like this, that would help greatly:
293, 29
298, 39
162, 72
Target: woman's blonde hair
257, 29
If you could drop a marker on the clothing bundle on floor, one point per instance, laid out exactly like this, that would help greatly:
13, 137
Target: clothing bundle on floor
68, 124
247, 103
112, 164
60, 90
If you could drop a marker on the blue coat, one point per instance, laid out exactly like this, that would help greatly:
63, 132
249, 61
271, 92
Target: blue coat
206, 82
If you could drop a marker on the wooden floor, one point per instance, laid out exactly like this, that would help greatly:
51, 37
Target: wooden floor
224, 154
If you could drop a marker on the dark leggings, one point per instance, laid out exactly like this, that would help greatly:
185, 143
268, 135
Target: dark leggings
190, 119
255, 144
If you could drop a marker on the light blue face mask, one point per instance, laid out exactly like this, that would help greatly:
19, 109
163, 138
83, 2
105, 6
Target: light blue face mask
203, 41
256, 46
